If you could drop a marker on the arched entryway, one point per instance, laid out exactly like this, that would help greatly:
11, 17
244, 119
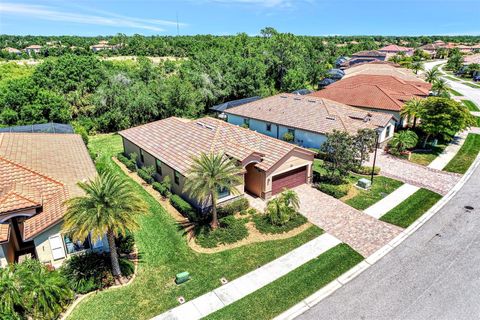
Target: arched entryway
254, 179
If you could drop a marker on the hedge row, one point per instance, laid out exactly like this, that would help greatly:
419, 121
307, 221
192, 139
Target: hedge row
233, 207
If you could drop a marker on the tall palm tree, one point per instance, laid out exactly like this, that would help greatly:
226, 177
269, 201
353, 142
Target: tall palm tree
208, 175
432, 75
410, 110
440, 87
282, 208
110, 206
417, 66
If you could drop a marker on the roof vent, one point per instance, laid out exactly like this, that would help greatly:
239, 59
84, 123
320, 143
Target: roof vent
367, 118
206, 126
297, 99
312, 101
331, 117
284, 97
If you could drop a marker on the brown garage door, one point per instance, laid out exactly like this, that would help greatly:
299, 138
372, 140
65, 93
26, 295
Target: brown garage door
289, 179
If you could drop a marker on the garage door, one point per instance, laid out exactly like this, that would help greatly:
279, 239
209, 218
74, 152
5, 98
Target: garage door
289, 179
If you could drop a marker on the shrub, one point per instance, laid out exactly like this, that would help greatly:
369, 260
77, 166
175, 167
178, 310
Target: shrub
129, 163
91, 271
233, 207
283, 208
163, 187
230, 230
183, 207
125, 244
366, 170
79, 129
288, 137
142, 173
335, 190
263, 224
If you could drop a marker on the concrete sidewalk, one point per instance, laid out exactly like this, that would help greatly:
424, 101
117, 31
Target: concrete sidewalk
450, 151
391, 201
251, 282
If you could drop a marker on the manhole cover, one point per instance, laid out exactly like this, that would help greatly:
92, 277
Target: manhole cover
469, 208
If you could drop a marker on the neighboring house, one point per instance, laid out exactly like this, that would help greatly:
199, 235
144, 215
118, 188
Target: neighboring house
100, 47
12, 50
381, 68
375, 93
465, 49
308, 119
394, 49
34, 48
219, 109
472, 59
50, 127
169, 145
38, 172
302, 92
365, 56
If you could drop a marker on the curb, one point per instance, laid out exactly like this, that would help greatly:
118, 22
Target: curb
309, 302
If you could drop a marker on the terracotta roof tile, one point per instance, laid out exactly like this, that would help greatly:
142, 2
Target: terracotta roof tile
176, 141
4, 232
41, 169
395, 48
311, 114
374, 91
369, 53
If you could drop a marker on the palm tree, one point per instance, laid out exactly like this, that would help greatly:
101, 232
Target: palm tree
210, 174
402, 141
417, 66
432, 75
110, 206
45, 292
281, 209
10, 295
410, 110
440, 87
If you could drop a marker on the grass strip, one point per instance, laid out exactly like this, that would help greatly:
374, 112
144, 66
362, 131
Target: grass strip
455, 93
412, 208
466, 155
290, 289
470, 105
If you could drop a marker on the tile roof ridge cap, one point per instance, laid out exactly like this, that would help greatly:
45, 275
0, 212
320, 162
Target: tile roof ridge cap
388, 95
23, 167
21, 196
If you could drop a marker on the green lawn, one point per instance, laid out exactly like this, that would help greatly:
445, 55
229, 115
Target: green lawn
455, 93
164, 252
478, 121
425, 158
466, 155
471, 84
412, 208
382, 186
290, 289
470, 105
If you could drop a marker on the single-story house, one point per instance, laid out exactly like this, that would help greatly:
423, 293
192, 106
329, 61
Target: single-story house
38, 172
376, 93
169, 145
301, 92
394, 49
381, 68
365, 56
308, 119
34, 48
12, 50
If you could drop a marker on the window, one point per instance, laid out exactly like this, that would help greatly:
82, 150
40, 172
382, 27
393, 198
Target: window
158, 164
142, 159
56, 246
269, 127
176, 177
222, 193
387, 134
246, 123
76, 246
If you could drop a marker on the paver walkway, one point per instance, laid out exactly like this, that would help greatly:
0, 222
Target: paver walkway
424, 177
243, 286
362, 232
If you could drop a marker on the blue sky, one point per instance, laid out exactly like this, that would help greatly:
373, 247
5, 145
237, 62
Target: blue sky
220, 17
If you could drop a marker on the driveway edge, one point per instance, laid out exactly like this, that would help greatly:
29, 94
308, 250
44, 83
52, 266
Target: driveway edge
351, 274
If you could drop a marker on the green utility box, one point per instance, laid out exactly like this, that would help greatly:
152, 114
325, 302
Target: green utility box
182, 277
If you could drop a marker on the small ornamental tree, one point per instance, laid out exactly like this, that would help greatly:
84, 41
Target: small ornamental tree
365, 143
288, 137
340, 154
402, 141
443, 117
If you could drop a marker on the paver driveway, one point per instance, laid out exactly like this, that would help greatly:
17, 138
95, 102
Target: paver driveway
435, 180
362, 232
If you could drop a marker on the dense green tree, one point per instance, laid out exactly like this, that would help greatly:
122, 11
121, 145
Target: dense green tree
341, 154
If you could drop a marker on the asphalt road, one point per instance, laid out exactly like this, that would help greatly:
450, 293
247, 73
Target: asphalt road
434, 274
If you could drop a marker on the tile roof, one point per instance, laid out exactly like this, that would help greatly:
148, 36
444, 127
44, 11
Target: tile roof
369, 53
38, 169
474, 58
176, 141
381, 69
394, 48
374, 91
4, 232
311, 114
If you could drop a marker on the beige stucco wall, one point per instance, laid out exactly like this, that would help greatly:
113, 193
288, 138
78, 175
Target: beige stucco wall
42, 245
3, 257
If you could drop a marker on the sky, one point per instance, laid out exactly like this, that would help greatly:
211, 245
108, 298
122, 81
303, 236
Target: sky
225, 17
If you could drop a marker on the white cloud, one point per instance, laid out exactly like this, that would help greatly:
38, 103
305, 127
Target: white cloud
263, 3
110, 19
